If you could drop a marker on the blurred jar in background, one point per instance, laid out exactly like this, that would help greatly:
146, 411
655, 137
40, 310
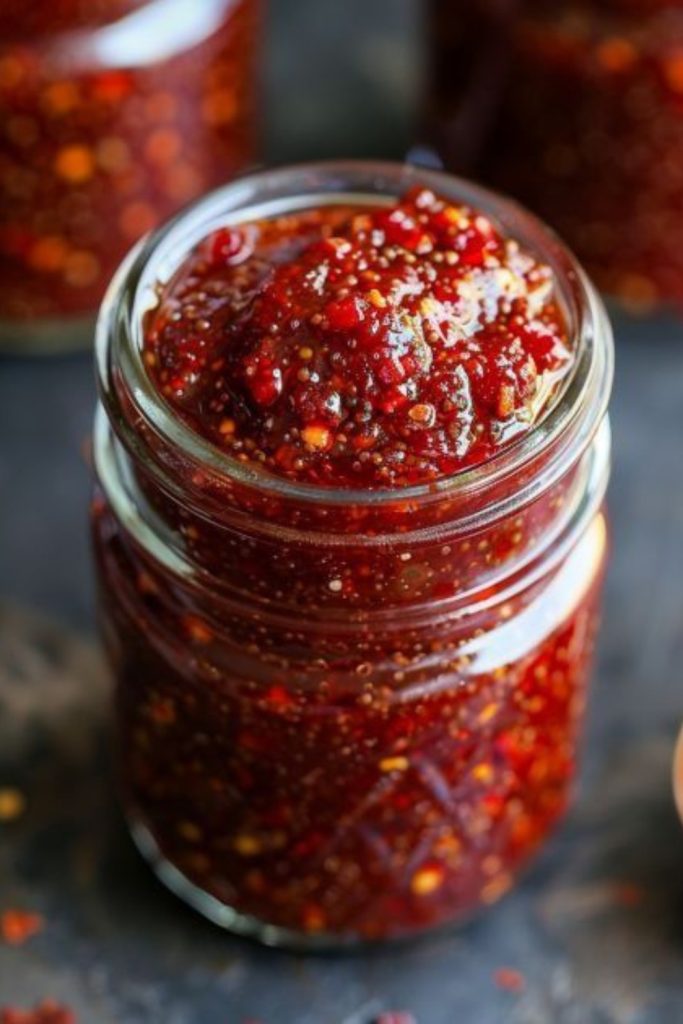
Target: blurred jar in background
575, 107
113, 115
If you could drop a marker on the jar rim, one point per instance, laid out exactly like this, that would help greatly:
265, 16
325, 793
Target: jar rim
123, 38
581, 401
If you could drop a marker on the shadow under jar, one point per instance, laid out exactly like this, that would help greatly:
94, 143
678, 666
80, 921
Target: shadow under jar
344, 715
575, 108
113, 115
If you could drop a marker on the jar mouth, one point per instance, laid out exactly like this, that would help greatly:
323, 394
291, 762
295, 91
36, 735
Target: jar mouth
581, 401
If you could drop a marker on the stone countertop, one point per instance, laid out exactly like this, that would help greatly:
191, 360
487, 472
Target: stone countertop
596, 928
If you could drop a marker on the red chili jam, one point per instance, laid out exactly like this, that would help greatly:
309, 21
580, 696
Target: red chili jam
577, 109
112, 116
374, 348
349, 601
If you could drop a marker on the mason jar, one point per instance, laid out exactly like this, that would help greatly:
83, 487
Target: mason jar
344, 714
113, 115
575, 108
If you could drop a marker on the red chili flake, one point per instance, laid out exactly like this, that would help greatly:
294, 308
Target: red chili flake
12, 803
197, 630
264, 378
112, 86
162, 711
146, 584
396, 1017
493, 804
427, 879
17, 926
47, 1012
628, 894
278, 698
400, 229
343, 314
313, 918
509, 979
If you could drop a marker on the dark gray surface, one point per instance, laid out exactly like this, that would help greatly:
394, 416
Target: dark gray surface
596, 928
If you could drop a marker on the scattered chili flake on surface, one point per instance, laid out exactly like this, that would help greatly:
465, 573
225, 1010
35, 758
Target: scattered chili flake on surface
395, 1017
17, 926
509, 979
12, 803
47, 1012
628, 894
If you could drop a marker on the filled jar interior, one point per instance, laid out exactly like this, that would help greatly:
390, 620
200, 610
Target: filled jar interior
351, 638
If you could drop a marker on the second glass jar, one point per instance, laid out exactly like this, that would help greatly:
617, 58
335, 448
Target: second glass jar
575, 108
113, 115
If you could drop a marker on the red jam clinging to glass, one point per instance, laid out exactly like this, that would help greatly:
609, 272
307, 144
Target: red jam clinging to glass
355, 714
113, 115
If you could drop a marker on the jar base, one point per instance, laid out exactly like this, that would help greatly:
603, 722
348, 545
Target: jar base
226, 916
47, 337
246, 926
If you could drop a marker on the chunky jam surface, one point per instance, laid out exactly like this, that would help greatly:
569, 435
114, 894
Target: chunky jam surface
376, 347
100, 141
344, 725
576, 108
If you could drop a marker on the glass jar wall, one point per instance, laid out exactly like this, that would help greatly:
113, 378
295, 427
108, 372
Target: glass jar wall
576, 108
344, 715
113, 115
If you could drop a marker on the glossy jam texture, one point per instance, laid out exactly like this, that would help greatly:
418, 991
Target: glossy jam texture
101, 139
377, 347
576, 109
346, 781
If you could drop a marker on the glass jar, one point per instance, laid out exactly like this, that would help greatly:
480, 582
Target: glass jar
113, 115
344, 715
575, 108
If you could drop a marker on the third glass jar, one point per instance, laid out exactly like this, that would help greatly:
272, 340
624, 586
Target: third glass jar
576, 108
